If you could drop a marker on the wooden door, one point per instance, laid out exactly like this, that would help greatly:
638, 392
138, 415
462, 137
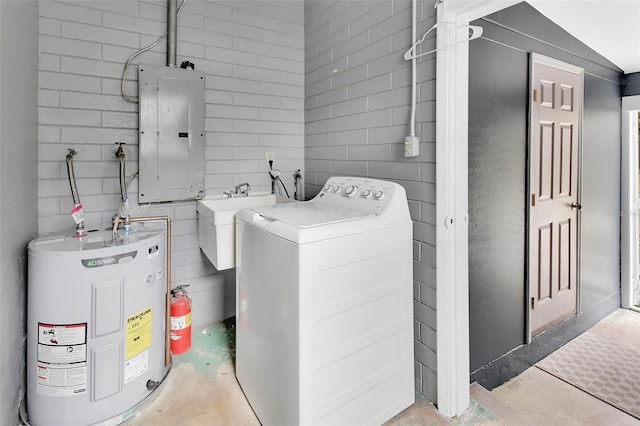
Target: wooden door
555, 110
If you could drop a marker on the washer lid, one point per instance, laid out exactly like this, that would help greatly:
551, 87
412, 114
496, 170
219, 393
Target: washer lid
309, 214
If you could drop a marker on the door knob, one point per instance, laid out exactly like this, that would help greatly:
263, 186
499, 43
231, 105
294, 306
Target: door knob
576, 206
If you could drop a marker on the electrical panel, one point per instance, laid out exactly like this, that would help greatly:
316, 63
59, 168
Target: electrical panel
171, 147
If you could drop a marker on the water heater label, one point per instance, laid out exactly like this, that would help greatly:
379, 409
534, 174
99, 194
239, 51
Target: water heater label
153, 251
109, 260
136, 366
138, 333
62, 359
62, 335
77, 213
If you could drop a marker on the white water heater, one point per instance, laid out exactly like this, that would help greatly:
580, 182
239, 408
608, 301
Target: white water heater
96, 317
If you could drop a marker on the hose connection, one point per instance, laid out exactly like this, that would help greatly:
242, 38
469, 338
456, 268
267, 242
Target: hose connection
76, 212
124, 212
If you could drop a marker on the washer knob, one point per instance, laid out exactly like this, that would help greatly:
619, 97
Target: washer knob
367, 193
351, 191
327, 188
337, 189
379, 195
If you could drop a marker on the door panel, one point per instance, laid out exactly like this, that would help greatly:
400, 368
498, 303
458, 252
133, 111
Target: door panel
566, 97
545, 238
545, 161
547, 93
564, 264
566, 150
553, 181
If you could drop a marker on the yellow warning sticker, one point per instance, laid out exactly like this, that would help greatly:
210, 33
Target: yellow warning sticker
138, 333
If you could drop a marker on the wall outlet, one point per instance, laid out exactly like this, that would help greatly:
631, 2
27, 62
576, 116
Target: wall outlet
270, 156
411, 146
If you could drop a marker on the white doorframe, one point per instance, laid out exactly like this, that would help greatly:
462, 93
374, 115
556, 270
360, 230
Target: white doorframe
629, 198
452, 265
536, 58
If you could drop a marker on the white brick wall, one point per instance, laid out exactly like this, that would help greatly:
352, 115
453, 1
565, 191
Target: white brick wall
357, 115
252, 53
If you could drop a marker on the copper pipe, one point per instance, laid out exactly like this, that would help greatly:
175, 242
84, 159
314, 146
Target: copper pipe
167, 327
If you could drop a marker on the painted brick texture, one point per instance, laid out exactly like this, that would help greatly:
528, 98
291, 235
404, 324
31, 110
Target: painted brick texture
252, 53
357, 112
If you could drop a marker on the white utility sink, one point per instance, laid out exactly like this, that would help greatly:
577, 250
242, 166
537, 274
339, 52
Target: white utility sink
217, 224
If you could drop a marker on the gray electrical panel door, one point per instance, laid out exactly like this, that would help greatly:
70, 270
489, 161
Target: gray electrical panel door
171, 144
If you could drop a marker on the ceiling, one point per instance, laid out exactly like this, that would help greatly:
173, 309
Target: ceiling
610, 27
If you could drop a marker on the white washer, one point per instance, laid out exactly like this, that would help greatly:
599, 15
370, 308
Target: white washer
325, 306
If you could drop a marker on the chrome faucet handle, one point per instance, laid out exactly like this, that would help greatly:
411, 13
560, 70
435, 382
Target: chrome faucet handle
240, 190
229, 193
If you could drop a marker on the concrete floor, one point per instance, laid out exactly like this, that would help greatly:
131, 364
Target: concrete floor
201, 389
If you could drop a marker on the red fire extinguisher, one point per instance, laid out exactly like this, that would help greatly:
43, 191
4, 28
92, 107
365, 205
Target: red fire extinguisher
180, 320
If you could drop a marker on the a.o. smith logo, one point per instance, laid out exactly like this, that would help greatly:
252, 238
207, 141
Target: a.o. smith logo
110, 260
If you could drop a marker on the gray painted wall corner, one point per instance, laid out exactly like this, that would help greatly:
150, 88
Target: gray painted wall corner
18, 186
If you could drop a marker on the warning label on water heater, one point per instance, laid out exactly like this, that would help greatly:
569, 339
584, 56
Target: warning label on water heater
137, 342
138, 333
62, 359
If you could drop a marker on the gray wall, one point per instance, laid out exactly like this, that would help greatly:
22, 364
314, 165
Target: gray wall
498, 135
252, 53
631, 84
18, 186
497, 184
357, 115
600, 219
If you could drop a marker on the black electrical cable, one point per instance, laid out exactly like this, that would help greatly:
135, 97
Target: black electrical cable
283, 187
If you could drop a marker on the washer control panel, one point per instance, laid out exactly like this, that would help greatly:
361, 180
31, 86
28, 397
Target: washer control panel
371, 195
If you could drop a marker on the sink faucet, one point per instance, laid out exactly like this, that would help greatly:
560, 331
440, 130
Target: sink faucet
243, 189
